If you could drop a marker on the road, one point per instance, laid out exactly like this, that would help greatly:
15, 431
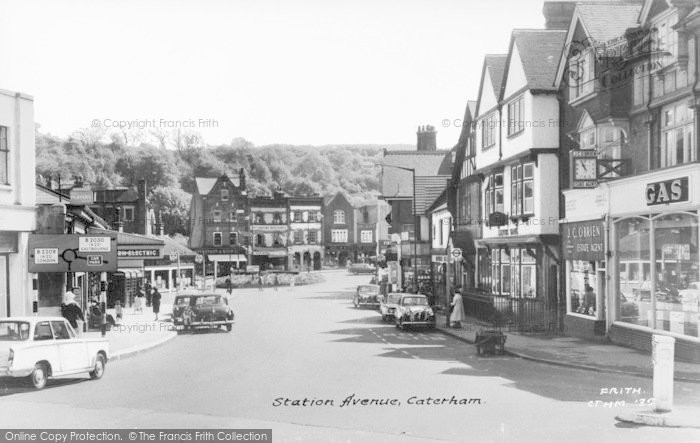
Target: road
312, 344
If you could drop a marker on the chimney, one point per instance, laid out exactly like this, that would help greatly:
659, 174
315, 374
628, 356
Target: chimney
427, 138
141, 205
77, 181
241, 180
558, 14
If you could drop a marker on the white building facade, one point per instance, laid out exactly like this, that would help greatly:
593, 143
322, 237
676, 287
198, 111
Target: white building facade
17, 201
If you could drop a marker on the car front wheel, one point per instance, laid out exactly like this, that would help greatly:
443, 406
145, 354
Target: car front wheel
39, 376
99, 369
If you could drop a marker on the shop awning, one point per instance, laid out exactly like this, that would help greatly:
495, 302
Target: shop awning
227, 257
131, 272
547, 239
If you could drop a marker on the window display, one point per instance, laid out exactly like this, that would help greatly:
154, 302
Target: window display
582, 288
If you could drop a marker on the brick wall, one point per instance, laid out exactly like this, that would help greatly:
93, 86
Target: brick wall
685, 350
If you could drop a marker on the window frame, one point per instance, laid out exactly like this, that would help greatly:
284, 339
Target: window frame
488, 131
490, 193
338, 217
214, 237
224, 195
5, 153
516, 105
517, 192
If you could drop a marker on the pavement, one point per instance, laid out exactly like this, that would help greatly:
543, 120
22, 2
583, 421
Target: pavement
582, 354
137, 332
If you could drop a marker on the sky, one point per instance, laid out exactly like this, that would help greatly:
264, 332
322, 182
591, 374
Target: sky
299, 72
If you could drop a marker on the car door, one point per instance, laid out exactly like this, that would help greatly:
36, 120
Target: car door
45, 346
72, 350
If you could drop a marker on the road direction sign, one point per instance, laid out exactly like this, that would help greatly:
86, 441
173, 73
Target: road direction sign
94, 260
72, 253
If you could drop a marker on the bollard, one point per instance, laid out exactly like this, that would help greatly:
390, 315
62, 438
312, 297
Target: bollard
662, 357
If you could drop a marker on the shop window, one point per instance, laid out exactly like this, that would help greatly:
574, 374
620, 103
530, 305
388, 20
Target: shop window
582, 286
339, 235
217, 239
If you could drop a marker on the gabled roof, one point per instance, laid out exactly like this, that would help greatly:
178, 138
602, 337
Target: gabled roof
439, 201
427, 190
494, 65
399, 183
172, 246
601, 22
652, 8
539, 50
204, 185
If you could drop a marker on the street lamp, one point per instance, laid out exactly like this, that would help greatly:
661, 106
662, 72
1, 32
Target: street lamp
415, 222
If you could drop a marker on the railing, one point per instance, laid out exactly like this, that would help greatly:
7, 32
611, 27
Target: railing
609, 168
512, 314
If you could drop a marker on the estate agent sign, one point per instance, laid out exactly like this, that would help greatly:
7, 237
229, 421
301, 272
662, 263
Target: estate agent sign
584, 240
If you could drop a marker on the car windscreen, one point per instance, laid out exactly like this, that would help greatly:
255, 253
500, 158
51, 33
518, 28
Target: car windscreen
14, 330
415, 301
394, 298
213, 300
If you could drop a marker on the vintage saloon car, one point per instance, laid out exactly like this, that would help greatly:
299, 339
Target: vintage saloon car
202, 310
366, 295
43, 347
389, 304
362, 268
413, 310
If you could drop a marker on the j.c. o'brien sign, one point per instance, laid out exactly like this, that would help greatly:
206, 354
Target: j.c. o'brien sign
583, 240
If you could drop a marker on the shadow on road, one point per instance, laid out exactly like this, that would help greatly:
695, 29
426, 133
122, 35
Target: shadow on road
559, 383
13, 386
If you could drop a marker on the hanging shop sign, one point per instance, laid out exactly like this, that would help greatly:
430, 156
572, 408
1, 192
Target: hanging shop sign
668, 191
584, 240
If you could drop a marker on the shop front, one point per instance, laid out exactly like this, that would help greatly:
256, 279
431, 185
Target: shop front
655, 285
583, 252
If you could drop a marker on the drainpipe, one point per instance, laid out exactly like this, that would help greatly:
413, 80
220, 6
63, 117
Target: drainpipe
500, 132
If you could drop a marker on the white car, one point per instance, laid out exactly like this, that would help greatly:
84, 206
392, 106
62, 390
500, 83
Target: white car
43, 347
389, 305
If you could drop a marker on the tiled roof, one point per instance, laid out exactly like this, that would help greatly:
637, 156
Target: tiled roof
172, 246
496, 65
427, 190
399, 183
539, 52
440, 200
608, 21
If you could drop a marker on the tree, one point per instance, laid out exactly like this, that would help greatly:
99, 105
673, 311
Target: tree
173, 205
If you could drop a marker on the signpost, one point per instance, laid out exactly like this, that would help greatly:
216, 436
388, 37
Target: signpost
72, 253
456, 253
175, 256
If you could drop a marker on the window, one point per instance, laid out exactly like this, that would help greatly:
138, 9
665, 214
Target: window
677, 144
339, 235
224, 195
587, 138
488, 131
513, 272
298, 236
60, 330
365, 216
409, 228
42, 331
233, 238
522, 190
641, 87
312, 236
582, 287
365, 236
581, 74
339, 217
493, 193
516, 116
217, 215
128, 214
259, 240
665, 40
217, 239
469, 203
4, 157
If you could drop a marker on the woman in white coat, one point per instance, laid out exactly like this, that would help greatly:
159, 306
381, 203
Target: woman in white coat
457, 316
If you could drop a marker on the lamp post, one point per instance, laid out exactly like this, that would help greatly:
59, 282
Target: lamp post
415, 222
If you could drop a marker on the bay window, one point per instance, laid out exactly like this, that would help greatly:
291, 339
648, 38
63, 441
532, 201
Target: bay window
677, 127
493, 193
522, 189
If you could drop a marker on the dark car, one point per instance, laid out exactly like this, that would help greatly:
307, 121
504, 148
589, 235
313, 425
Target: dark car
366, 295
361, 268
202, 310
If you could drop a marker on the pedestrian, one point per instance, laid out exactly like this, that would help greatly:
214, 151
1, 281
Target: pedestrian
118, 311
457, 316
291, 283
260, 283
229, 286
138, 303
155, 302
70, 310
275, 282
149, 293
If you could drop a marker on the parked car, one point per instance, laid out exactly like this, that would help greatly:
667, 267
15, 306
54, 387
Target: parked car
389, 304
366, 295
202, 310
361, 268
40, 348
413, 310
